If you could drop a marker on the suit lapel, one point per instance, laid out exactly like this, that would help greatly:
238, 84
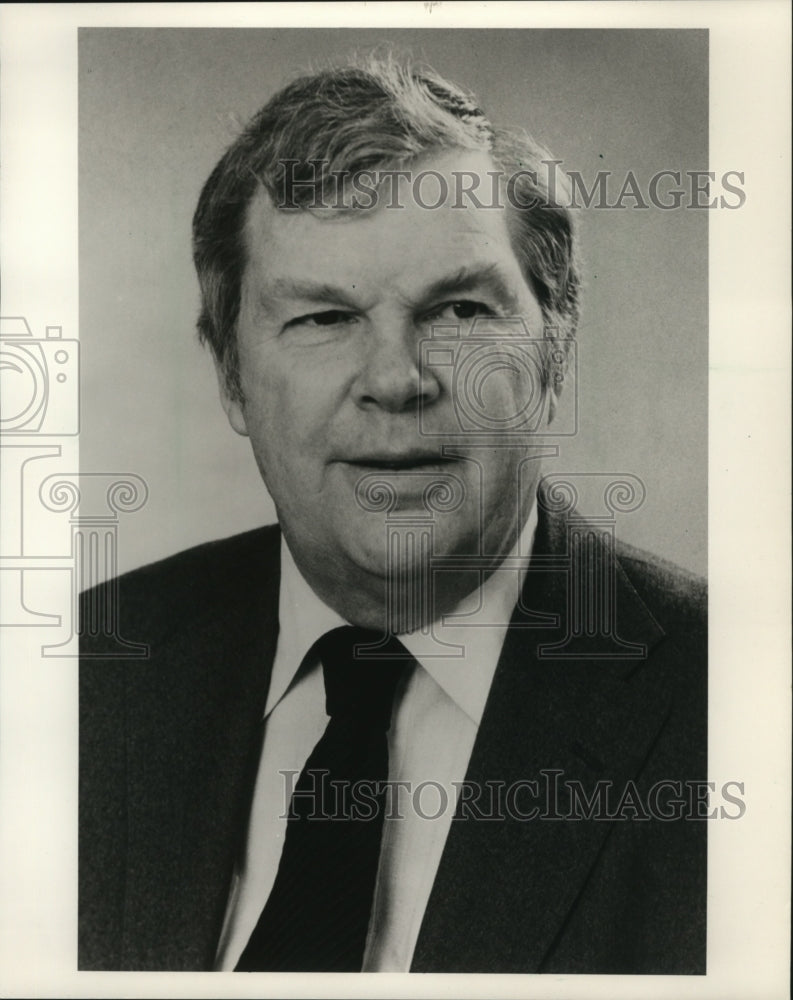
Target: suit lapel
552, 721
194, 725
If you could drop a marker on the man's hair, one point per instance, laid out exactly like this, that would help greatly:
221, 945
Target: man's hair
378, 114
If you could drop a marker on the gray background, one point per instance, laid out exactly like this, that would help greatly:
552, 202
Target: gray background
157, 109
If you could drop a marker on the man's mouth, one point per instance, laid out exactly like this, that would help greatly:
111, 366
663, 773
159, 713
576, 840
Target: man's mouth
399, 463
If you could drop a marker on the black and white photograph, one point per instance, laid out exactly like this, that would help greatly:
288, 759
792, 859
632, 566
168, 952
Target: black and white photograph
392, 503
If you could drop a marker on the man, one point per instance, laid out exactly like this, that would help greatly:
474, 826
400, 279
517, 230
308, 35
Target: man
390, 291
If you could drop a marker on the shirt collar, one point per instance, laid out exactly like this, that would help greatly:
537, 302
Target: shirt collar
473, 632
302, 619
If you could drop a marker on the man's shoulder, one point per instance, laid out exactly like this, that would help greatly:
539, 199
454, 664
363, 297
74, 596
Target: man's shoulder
192, 583
670, 591
237, 557
675, 596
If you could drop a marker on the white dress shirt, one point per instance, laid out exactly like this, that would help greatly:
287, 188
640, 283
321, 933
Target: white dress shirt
437, 710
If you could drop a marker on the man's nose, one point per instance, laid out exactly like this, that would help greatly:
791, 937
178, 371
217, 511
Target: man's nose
392, 376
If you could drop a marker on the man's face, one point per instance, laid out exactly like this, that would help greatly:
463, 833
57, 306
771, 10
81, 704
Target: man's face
334, 309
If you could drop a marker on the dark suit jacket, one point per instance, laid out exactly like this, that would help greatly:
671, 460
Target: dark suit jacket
168, 745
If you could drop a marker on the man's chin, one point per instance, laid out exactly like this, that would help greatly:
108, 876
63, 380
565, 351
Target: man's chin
377, 560
407, 562
387, 580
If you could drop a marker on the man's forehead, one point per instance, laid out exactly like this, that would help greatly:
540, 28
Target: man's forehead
412, 234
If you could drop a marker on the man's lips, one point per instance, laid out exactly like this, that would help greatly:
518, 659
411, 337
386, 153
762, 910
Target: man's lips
390, 462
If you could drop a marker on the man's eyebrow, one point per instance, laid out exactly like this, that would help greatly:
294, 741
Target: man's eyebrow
469, 279
305, 290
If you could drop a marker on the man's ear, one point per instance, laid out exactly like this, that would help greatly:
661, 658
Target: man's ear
230, 402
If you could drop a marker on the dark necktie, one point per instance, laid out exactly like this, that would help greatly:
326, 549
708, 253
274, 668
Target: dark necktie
317, 915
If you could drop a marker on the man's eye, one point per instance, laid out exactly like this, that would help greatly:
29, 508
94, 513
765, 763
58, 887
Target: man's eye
462, 309
328, 317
